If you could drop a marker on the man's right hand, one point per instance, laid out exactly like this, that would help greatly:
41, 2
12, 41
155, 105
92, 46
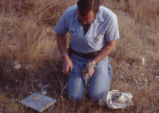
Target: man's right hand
67, 65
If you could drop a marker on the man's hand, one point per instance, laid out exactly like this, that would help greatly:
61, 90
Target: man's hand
67, 65
88, 70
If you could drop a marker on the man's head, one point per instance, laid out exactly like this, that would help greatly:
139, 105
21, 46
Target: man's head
87, 10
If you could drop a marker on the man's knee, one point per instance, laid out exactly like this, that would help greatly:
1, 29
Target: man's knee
97, 95
75, 97
75, 90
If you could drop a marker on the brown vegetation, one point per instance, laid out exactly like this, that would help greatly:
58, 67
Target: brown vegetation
26, 36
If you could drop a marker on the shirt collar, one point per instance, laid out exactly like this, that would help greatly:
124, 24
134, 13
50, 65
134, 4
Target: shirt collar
75, 17
99, 17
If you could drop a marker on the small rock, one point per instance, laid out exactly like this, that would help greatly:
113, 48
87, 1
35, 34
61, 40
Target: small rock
27, 66
146, 80
12, 47
157, 77
16, 65
147, 27
48, 30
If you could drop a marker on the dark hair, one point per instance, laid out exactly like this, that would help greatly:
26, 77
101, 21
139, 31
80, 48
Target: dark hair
85, 6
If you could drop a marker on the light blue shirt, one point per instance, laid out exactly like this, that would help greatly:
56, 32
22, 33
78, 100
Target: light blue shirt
103, 29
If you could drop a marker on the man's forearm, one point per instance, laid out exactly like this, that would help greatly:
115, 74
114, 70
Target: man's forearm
61, 43
67, 65
106, 50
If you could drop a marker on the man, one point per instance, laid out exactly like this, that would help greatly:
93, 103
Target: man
94, 31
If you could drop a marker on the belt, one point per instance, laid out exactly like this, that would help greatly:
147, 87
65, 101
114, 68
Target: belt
89, 55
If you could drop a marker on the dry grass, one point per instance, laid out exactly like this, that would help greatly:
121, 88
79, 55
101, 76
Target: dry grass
143, 11
26, 35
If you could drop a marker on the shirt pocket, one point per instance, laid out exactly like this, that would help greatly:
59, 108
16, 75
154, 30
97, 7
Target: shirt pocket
76, 39
96, 41
72, 33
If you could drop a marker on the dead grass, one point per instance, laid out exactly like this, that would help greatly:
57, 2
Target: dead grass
143, 11
26, 35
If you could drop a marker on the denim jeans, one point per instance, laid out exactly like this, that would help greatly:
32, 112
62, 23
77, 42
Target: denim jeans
99, 83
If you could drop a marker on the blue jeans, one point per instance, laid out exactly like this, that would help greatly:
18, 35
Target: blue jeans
99, 83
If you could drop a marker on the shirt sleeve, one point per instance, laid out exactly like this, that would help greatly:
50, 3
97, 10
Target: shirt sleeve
62, 27
112, 33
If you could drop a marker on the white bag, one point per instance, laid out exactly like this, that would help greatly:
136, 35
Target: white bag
116, 99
